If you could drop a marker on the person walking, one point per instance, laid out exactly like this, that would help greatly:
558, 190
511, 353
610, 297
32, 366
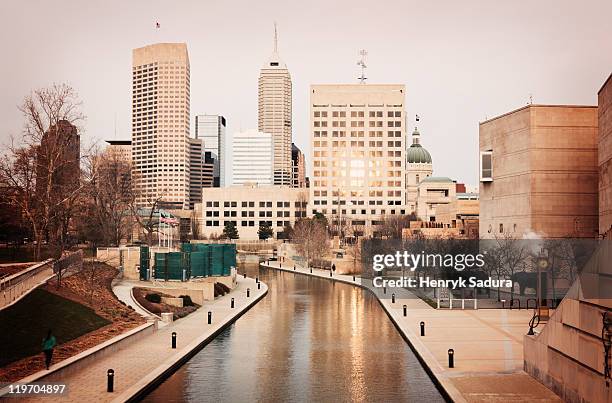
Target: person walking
47, 347
333, 267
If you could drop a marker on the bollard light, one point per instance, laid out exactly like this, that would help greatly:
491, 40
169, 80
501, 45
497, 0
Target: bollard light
451, 358
110, 380
330, 273
210, 313
422, 328
248, 292
353, 277
393, 298
257, 279
259, 286
232, 302
293, 267
245, 274
311, 270
384, 290
405, 310
173, 339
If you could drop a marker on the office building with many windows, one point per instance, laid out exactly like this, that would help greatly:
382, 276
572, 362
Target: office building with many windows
274, 109
359, 153
248, 207
252, 158
160, 125
211, 129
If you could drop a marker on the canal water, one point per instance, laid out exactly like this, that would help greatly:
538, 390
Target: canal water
309, 339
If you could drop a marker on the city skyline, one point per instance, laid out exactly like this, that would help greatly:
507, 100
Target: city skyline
454, 77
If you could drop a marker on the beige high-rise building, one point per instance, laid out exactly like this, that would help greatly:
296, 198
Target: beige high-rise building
359, 153
275, 112
160, 124
538, 172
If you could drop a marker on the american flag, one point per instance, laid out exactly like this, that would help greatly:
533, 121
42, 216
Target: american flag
157, 25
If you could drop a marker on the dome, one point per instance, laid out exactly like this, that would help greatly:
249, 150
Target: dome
417, 154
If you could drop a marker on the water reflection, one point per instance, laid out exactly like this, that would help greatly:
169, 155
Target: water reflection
308, 340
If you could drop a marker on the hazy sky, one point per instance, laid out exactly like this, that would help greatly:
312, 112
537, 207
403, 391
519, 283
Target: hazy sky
461, 61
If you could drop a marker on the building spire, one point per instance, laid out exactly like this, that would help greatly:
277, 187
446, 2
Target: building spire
275, 39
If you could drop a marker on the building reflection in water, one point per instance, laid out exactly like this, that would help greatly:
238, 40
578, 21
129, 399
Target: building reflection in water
308, 340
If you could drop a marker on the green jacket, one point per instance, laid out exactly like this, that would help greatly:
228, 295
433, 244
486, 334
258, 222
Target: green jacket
49, 343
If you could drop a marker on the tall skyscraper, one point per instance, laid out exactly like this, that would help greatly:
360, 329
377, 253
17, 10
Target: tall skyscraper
160, 124
252, 158
275, 112
211, 129
358, 143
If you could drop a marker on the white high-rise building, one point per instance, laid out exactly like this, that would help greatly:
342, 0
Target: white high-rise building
252, 158
275, 112
359, 153
160, 125
211, 129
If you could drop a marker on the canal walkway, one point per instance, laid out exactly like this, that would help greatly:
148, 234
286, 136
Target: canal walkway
144, 363
487, 344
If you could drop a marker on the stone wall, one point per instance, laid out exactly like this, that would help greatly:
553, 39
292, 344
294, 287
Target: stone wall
605, 157
568, 354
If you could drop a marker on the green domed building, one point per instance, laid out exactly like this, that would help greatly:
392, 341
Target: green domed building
419, 166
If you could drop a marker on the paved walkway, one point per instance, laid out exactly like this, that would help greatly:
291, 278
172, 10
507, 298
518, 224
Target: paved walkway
488, 344
123, 291
139, 363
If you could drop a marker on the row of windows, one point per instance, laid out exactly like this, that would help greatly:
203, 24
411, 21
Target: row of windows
355, 143
251, 204
214, 223
358, 114
357, 133
358, 123
355, 154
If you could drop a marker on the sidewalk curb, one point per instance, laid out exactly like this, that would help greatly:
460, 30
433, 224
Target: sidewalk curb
138, 391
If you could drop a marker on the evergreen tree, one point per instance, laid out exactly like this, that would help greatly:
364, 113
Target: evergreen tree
230, 231
265, 231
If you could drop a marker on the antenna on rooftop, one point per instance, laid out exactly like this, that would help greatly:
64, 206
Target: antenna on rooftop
361, 63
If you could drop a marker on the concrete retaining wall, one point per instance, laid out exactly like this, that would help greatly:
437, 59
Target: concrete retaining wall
76, 363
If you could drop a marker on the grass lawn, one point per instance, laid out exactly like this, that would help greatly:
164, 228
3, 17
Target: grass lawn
25, 324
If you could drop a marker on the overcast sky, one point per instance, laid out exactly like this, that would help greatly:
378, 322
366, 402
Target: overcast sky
461, 61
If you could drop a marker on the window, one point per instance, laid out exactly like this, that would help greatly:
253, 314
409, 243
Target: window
501, 228
486, 166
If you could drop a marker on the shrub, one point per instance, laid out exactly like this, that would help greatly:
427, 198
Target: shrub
155, 298
186, 300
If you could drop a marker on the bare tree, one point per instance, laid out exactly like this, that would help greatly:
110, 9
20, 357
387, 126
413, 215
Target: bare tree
514, 255
42, 172
393, 225
310, 238
108, 177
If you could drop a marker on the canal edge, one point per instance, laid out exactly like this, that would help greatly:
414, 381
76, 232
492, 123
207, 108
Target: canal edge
448, 391
138, 391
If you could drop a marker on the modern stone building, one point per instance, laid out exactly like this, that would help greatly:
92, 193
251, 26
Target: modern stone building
248, 206
252, 158
275, 112
433, 191
211, 129
359, 153
298, 167
160, 124
538, 172
418, 167
605, 158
